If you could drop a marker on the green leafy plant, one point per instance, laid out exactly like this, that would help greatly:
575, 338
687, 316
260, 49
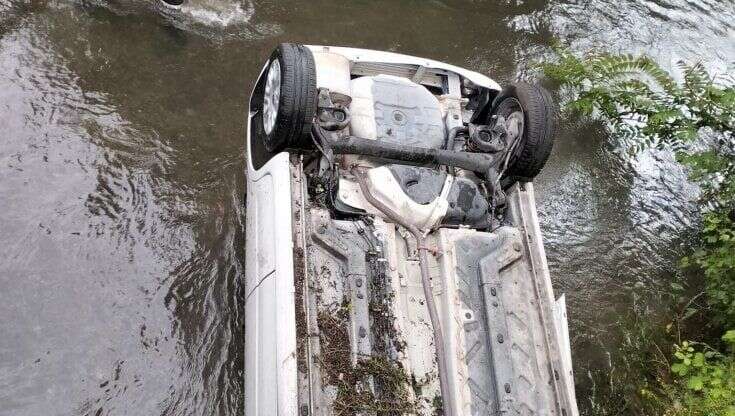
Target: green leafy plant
641, 100
716, 259
708, 377
647, 107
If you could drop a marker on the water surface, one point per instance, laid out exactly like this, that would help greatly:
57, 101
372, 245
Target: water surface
122, 175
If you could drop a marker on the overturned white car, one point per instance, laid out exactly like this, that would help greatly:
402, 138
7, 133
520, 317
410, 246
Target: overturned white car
394, 259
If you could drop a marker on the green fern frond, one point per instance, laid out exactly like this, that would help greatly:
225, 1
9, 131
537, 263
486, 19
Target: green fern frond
620, 67
641, 101
696, 77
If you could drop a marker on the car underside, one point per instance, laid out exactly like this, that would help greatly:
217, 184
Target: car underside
394, 259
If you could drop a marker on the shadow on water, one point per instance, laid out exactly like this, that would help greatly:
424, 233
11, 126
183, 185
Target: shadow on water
121, 175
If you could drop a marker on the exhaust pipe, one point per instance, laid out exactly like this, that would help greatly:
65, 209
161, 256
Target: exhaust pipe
444, 386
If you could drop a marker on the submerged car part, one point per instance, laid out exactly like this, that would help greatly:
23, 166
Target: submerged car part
174, 3
394, 261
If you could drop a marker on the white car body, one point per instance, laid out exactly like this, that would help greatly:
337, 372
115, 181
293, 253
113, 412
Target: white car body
278, 251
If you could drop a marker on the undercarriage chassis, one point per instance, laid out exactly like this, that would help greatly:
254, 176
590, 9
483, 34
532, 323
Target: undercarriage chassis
394, 259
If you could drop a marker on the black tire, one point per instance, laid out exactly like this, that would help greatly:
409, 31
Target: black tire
531, 154
298, 99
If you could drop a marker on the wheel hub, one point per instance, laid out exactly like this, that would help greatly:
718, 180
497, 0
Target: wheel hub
272, 96
512, 112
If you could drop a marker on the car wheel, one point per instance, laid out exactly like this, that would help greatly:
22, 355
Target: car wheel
289, 98
533, 108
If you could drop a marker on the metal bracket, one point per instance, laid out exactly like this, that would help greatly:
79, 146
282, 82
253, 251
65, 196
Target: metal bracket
332, 116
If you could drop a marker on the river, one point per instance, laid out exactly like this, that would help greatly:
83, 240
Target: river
122, 180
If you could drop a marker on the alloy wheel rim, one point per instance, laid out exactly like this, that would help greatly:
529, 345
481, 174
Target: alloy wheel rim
272, 96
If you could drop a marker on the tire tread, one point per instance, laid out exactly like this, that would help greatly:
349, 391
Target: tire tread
298, 101
540, 128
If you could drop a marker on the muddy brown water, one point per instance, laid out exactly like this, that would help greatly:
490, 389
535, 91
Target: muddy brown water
122, 175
